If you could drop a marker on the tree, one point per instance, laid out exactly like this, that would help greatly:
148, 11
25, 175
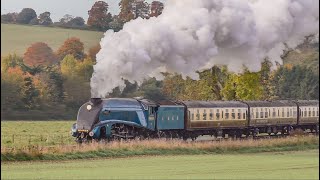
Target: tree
12, 82
44, 19
140, 8
85, 69
50, 84
151, 89
65, 19
296, 83
93, 51
72, 46
34, 21
10, 61
116, 24
76, 22
173, 85
68, 66
126, 12
99, 17
39, 54
9, 18
156, 8
26, 15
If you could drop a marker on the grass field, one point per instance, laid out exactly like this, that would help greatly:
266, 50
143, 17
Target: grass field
17, 38
22, 133
287, 165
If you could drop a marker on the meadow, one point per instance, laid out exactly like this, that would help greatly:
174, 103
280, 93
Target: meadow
279, 165
17, 38
44, 133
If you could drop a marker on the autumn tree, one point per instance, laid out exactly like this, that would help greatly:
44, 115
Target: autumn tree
126, 12
93, 51
72, 46
173, 85
39, 54
50, 83
44, 19
84, 69
18, 90
10, 61
26, 15
99, 17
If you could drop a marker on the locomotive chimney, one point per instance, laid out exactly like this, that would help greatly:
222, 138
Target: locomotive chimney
96, 101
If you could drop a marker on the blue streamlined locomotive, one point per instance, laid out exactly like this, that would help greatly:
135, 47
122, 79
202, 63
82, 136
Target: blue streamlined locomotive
125, 118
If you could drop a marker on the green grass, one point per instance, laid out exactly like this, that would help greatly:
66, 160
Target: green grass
23, 133
288, 165
17, 38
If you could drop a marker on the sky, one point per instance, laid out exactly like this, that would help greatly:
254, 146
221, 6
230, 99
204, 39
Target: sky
58, 8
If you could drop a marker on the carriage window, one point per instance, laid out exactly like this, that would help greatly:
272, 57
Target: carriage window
233, 115
257, 114
266, 113
313, 112
221, 114
211, 114
227, 113
305, 112
239, 114
287, 112
172, 118
261, 113
282, 112
204, 115
177, 117
309, 112
217, 114
278, 113
244, 115
301, 113
198, 115
192, 116
274, 112
290, 112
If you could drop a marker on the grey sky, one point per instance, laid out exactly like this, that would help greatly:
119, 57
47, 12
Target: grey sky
57, 8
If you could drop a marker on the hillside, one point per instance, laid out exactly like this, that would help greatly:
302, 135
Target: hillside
16, 38
307, 54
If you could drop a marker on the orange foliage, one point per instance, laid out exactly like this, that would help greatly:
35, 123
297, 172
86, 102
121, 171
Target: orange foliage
93, 51
39, 54
72, 46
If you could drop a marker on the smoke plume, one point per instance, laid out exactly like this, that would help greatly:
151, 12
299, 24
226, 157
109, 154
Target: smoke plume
192, 35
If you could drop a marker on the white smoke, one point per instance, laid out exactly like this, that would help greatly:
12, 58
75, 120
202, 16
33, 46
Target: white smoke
194, 34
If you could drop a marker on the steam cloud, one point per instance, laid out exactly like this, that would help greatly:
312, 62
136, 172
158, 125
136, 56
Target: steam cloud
194, 34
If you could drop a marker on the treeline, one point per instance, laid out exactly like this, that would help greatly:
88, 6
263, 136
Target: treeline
99, 19
46, 84
52, 85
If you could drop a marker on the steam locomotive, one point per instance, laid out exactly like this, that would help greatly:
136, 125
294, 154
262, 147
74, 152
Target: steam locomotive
125, 118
